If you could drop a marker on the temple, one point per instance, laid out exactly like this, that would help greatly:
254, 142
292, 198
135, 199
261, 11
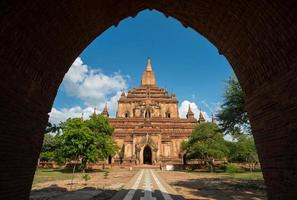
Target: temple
148, 129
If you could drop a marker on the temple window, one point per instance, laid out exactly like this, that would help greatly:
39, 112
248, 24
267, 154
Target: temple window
167, 114
126, 114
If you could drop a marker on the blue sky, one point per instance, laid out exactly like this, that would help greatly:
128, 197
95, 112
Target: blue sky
182, 59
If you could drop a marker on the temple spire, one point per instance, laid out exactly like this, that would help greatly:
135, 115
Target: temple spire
190, 113
148, 76
201, 117
105, 111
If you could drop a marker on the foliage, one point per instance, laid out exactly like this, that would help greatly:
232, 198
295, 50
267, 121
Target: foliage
86, 177
52, 128
47, 156
232, 168
87, 141
232, 117
243, 150
99, 125
207, 143
48, 147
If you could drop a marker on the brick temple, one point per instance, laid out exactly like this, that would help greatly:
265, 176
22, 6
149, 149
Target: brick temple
148, 129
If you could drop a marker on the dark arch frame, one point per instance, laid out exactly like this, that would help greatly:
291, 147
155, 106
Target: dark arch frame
39, 41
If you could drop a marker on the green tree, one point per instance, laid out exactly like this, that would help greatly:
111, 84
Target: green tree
48, 147
52, 128
88, 141
244, 150
232, 117
207, 143
100, 126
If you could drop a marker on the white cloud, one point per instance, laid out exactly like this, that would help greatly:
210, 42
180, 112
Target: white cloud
184, 106
212, 107
92, 86
56, 116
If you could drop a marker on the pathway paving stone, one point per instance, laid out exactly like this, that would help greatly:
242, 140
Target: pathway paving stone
147, 185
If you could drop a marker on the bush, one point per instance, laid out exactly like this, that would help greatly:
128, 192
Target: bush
86, 177
232, 168
46, 156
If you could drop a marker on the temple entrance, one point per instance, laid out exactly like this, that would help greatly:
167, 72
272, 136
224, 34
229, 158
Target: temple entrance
147, 155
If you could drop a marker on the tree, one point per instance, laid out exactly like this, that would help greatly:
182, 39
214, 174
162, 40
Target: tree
244, 150
87, 141
52, 128
48, 147
100, 126
207, 143
232, 117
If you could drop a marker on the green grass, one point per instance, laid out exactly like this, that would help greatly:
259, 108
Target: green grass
246, 176
45, 175
257, 176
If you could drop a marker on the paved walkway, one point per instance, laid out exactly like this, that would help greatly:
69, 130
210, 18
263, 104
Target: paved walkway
147, 185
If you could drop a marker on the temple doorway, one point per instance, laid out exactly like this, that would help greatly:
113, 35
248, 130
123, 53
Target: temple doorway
147, 155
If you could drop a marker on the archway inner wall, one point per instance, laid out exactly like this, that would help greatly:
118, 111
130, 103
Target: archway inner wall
39, 41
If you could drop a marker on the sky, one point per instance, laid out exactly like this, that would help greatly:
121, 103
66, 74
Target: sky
184, 62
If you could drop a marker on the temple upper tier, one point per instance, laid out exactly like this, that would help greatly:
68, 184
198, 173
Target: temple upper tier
148, 100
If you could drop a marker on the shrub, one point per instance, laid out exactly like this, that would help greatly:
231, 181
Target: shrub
232, 168
86, 177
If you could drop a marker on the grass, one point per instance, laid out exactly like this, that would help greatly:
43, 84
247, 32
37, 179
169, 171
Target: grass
45, 175
255, 176
246, 176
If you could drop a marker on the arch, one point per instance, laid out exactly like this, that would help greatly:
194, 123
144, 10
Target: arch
147, 155
40, 41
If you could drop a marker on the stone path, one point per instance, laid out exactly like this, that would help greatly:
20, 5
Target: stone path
147, 185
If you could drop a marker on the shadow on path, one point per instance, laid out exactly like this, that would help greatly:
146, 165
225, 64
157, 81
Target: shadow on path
55, 192
220, 189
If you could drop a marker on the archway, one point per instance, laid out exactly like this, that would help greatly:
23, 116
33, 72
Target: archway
40, 41
147, 155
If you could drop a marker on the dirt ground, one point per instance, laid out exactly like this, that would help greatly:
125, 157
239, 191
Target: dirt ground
191, 185
98, 187
195, 185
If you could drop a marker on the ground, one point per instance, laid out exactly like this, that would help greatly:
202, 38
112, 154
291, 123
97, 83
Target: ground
56, 184
223, 186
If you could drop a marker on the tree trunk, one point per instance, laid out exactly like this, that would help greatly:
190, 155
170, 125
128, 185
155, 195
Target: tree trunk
84, 165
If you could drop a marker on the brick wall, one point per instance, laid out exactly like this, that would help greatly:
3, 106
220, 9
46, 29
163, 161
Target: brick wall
40, 39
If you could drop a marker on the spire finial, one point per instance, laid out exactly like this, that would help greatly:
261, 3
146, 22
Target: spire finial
148, 64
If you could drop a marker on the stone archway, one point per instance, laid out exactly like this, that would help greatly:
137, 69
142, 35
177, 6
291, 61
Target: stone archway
147, 155
40, 41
